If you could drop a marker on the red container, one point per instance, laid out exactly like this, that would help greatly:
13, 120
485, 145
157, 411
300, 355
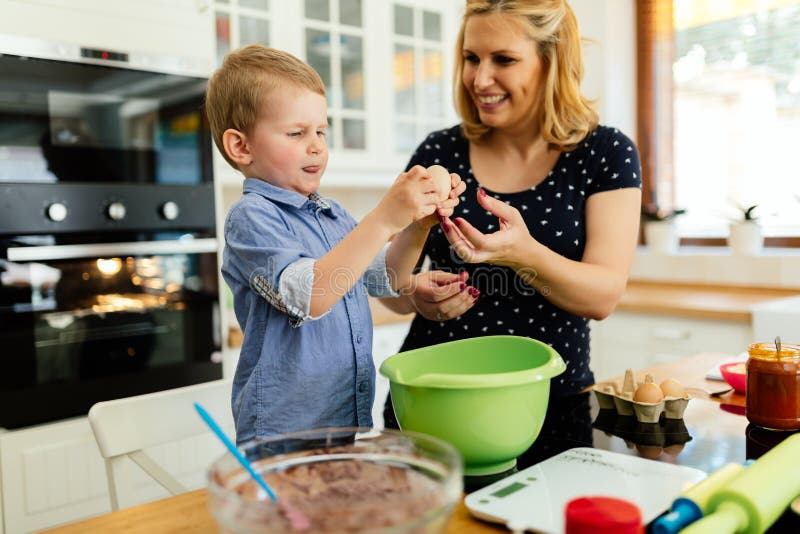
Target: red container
773, 386
735, 375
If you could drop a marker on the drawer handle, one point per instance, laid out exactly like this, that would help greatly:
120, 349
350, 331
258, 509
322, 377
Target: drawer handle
671, 334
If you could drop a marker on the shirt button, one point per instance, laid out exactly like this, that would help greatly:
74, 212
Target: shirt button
359, 339
362, 387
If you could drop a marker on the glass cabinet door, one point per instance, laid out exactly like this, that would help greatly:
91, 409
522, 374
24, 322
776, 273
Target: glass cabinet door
417, 75
334, 46
239, 23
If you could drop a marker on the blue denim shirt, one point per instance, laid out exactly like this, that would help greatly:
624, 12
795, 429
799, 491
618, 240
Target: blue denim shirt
295, 371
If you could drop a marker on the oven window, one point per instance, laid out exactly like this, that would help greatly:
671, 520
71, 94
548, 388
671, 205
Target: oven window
79, 331
73, 122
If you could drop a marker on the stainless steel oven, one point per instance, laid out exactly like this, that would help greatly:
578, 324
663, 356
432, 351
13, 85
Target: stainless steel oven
108, 250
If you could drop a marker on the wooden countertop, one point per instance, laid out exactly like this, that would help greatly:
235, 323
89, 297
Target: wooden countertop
728, 303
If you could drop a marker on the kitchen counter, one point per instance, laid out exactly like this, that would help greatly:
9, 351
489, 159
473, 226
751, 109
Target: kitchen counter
712, 433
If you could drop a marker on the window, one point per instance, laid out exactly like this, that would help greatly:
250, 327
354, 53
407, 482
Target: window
719, 89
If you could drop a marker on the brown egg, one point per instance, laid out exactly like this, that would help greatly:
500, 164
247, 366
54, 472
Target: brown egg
672, 388
674, 450
442, 180
651, 452
649, 393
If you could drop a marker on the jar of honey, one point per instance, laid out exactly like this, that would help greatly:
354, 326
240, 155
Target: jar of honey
773, 385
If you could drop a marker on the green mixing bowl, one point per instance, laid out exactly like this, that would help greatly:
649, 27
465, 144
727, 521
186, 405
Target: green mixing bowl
486, 395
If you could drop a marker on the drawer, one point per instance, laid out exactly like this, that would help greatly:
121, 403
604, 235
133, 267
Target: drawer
673, 334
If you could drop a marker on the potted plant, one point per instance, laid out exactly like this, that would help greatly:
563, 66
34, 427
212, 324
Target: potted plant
744, 234
660, 233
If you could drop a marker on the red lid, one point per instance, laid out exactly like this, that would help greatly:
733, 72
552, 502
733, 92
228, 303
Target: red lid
601, 515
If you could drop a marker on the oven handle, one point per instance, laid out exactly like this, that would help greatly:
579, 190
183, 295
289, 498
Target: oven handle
102, 250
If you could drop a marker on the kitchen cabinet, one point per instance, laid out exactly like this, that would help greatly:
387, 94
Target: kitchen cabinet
386, 341
54, 473
639, 340
386, 66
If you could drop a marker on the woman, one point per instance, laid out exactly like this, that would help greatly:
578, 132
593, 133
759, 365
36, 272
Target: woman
547, 228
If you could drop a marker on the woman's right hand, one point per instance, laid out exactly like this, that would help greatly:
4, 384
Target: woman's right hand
441, 296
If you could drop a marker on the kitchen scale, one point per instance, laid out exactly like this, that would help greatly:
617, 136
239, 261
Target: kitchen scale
534, 498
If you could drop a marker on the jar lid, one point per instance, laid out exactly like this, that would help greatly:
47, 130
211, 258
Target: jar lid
769, 351
602, 515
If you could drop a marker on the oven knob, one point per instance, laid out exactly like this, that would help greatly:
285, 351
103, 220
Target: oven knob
116, 211
170, 210
57, 212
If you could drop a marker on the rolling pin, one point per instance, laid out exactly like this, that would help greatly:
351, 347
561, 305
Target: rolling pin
754, 499
693, 503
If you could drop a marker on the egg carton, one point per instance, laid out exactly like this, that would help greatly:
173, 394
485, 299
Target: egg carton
611, 397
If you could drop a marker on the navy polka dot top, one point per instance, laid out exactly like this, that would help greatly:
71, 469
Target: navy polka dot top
554, 212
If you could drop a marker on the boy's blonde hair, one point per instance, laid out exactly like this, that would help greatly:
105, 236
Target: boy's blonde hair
566, 116
236, 91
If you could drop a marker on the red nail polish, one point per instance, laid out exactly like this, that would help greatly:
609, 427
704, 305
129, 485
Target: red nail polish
481, 192
458, 222
461, 286
445, 226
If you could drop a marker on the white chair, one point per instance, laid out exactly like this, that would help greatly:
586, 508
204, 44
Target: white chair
124, 428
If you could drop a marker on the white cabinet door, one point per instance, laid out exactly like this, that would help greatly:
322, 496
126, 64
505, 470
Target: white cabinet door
630, 340
51, 474
54, 473
386, 341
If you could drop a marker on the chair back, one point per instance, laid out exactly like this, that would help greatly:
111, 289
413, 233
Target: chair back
126, 428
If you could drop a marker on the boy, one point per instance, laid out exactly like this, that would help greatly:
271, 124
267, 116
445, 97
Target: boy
298, 264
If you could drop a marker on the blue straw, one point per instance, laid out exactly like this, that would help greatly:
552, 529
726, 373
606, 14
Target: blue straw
234, 450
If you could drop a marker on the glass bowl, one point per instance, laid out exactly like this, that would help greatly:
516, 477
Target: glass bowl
341, 480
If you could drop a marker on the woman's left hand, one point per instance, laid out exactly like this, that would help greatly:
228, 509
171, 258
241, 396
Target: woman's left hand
502, 247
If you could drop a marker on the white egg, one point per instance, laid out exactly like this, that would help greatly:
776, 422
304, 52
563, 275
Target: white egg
442, 180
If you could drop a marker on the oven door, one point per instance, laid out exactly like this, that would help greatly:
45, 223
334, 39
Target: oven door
85, 323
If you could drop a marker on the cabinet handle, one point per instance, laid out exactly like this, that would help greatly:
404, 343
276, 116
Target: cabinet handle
671, 334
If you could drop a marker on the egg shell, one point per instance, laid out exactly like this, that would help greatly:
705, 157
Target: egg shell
672, 388
649, 393
442, 180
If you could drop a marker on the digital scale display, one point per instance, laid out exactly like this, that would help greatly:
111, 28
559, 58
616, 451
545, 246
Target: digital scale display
508, 490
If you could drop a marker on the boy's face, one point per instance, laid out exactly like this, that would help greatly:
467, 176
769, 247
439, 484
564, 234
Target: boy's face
288, 140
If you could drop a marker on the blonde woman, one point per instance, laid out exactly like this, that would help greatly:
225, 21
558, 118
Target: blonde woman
546, 232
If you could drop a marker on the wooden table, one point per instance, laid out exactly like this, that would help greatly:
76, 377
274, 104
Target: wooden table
189, 512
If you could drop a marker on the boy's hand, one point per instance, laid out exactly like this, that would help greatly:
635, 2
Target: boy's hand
412, 197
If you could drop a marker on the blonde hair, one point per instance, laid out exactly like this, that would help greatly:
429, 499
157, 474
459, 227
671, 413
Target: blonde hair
566, 116
236, 91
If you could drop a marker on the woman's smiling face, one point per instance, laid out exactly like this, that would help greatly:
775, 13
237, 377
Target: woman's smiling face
502, 71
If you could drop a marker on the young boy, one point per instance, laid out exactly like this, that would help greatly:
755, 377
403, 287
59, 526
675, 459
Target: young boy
298, 264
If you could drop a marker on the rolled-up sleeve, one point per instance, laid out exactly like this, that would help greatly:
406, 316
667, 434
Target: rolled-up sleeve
376, 279
265, 254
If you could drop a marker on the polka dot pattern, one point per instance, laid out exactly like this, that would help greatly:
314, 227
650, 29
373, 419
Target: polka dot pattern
554, 212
